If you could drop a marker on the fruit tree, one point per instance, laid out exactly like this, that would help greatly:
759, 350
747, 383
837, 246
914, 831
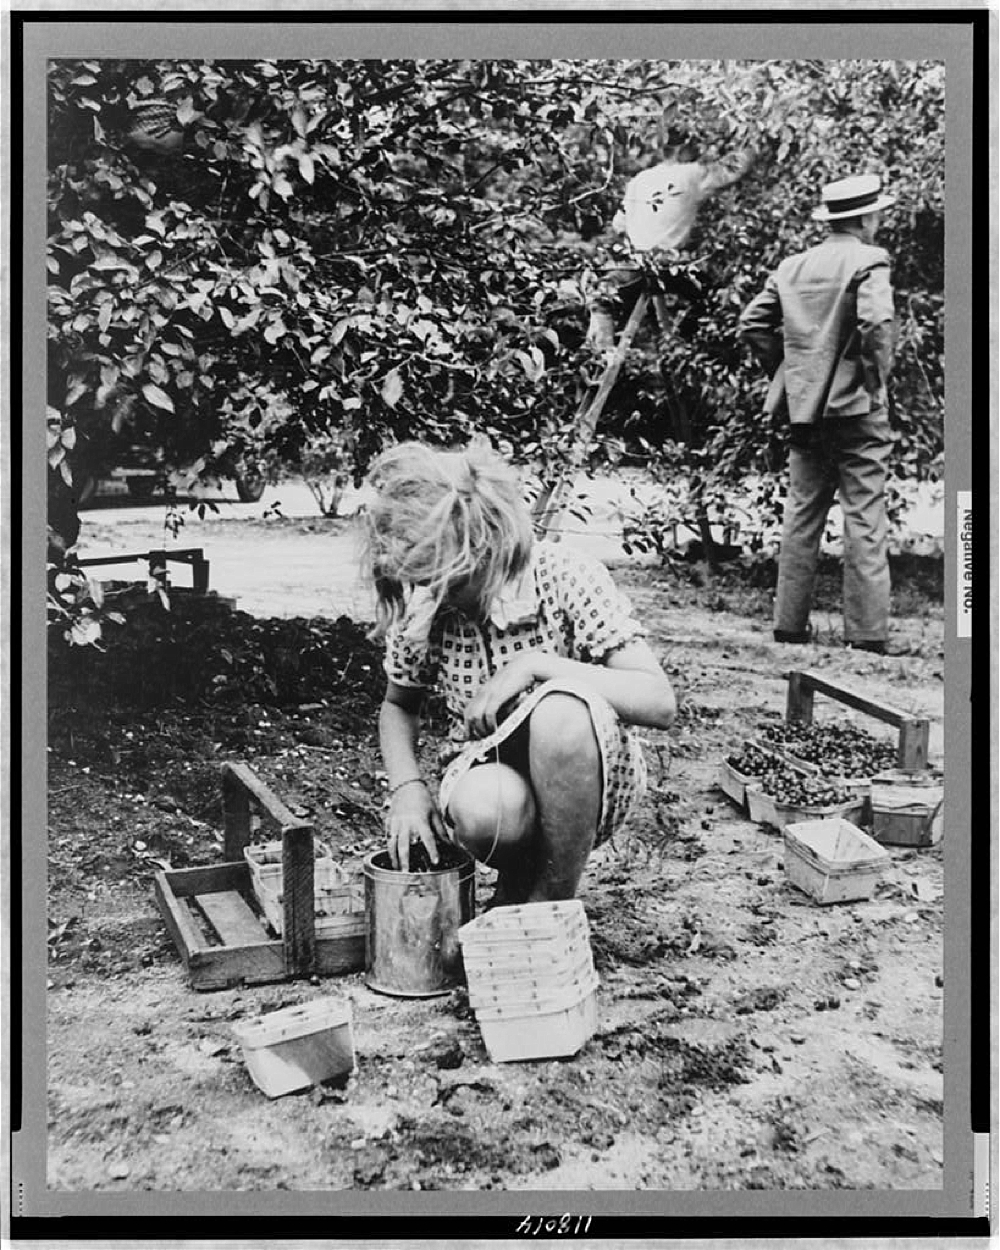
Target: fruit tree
246, 257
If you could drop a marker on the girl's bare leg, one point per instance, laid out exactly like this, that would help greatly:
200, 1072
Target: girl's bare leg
493, 810
538, 834
565, 770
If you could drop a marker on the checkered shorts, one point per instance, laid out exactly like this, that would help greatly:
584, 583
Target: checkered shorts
623, 765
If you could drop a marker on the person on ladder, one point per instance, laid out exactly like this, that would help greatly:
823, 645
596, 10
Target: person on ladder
659, 210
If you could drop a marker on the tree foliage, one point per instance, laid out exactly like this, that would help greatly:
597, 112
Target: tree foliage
826, 119
263, 255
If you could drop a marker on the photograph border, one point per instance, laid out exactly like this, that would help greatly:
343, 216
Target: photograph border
957, 37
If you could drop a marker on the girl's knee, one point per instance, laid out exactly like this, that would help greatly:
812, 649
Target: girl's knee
491, 797
562, 729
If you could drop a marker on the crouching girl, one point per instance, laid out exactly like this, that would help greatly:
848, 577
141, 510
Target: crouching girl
541, 663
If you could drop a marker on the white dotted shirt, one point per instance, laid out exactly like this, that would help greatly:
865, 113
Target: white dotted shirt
566, 604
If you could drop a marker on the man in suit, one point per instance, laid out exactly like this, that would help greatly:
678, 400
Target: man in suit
824, 328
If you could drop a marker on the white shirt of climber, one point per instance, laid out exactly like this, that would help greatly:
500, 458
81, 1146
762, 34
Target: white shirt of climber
661, 204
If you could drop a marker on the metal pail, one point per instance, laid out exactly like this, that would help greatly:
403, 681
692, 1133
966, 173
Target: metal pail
411, 925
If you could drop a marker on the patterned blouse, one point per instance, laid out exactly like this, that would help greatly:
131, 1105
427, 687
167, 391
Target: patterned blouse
565, 604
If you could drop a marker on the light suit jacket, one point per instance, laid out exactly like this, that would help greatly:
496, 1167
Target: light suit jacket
825, 322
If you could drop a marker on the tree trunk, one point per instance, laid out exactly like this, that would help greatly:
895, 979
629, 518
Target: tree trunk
705, 529
681, 419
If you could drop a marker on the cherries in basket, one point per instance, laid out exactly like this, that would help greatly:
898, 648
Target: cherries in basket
843, 750
793, 789
751, 762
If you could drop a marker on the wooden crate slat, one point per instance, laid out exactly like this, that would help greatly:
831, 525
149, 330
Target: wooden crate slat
241, 775
187, 882
223, 966
913, 743
843, 694
231, 918
186, 937
236, 817
914, 731
338, 927
340, 954
298, 868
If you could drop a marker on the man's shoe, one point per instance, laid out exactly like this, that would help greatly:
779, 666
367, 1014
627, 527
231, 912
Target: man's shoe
867, 644
792, 635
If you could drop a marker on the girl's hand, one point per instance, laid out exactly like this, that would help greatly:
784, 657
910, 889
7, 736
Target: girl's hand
491, 697
413, 815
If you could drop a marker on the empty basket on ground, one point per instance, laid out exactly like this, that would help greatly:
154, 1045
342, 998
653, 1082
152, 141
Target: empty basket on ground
552, 1026
906, 808
832, 860
531, 978
297, 1047
339, 892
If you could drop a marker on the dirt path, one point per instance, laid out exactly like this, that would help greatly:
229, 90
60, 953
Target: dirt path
318, 573
747, 1039
253, 559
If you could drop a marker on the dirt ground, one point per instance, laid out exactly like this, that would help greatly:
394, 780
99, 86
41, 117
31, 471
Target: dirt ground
747, 1038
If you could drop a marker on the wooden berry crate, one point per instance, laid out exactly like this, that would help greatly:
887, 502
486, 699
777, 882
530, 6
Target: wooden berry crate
760, 806
266, 871
914, 731
906, 808
733, 783
295, 1047
764, 809
213, 916
554, 1027
769, 811
785, 814
832, 860
856, 787
784, 756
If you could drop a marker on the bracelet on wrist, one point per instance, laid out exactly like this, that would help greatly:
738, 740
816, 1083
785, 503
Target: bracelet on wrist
410, 781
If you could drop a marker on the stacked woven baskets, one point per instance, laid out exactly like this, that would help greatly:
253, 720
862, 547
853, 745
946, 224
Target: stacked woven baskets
339, 892
531, 979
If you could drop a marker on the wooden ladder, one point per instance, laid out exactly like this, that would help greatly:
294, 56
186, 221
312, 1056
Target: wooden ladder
913, 731
548, 508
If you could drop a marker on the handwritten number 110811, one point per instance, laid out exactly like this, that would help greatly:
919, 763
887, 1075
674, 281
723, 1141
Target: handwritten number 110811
559, 1225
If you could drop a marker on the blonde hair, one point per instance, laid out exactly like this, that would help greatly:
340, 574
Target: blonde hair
443, 517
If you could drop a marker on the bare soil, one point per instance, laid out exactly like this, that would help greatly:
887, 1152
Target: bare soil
748, 1038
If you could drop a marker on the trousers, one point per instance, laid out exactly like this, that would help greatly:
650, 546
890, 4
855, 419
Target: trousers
845, 456
612, 304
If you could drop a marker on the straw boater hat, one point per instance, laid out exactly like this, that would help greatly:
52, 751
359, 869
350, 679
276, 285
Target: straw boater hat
851, 197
